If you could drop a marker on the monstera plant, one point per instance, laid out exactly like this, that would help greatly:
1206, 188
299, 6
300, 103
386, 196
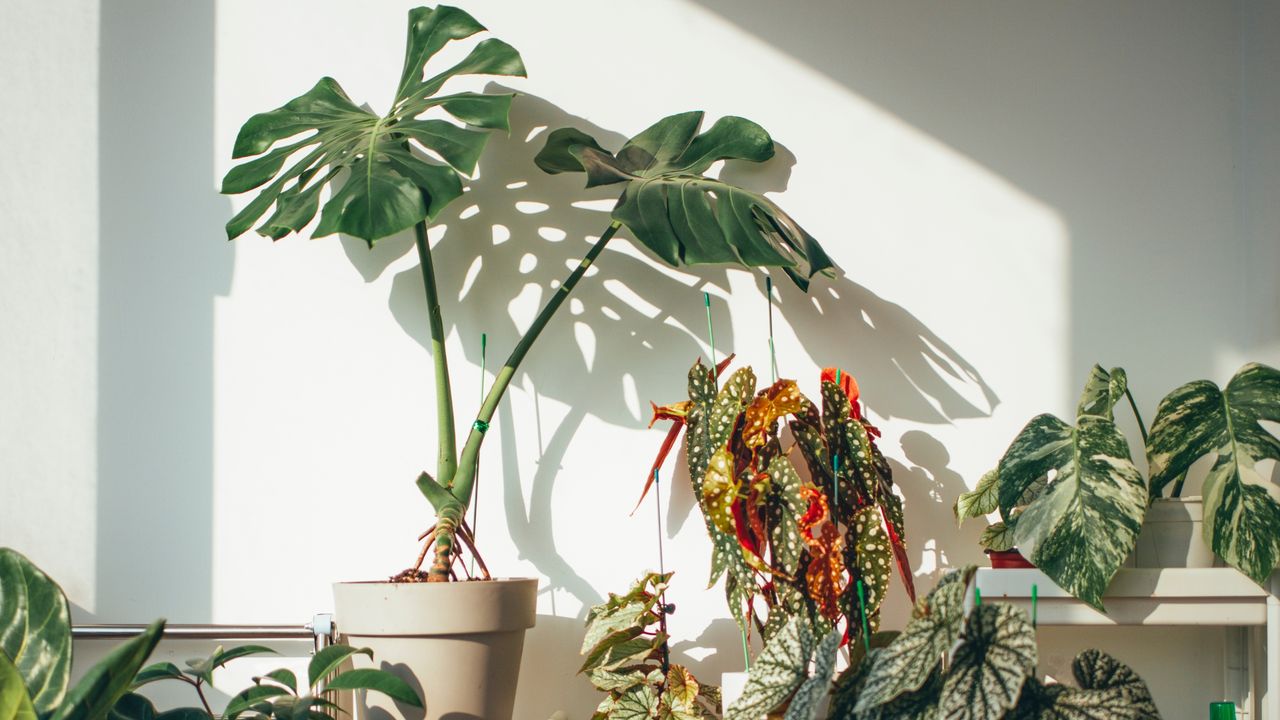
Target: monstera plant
35, 652
383, 181
1072, 500
816, 548
956, 659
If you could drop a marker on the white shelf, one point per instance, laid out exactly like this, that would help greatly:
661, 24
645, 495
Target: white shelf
1220, 597
1175, 596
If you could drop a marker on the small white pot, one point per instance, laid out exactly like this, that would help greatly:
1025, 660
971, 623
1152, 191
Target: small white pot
1171, 536
458, 643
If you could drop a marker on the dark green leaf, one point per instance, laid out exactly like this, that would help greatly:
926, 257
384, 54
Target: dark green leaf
106, 682
997, 655
378, 680
386, 188
283, 677
184, 713
1241, 519
250, 696
157, 671
132, 706
329, 659
35, 630
681, 215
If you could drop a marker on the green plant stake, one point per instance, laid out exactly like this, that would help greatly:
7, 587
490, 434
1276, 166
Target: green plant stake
1035, 597
711, 333
977, 596
475, 492
773, 355
862, 610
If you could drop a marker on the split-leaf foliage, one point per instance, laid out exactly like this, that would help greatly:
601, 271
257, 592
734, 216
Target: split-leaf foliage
1072, 500
372, 175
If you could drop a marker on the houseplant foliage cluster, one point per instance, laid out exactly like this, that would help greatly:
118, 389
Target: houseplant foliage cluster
956, 659
625, 649
35, 667
806, 528
35, 662
395, 171
1072, 500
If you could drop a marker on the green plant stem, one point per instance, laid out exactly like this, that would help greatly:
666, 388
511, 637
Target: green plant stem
203, 700
447, 463
463, 478
1142, 428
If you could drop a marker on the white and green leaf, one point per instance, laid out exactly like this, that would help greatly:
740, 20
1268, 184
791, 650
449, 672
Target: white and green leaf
1102, 391
1083, 525
982, 500
808, 698
988, 669
1241, 517
781, 668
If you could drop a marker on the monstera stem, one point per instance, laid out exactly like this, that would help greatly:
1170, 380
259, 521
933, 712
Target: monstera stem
447, 463
461, 481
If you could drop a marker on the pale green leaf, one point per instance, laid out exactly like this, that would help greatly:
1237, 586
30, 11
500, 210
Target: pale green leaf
982, 500
781, 667
988, 669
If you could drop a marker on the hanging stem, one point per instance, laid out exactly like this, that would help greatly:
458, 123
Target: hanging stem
1142, 428
461, 481
447, 462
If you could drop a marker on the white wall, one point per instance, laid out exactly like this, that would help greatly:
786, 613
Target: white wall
1015, 191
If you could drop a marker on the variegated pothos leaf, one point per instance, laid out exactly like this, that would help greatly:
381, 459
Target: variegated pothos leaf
997, 655
1241, 518
1086, 521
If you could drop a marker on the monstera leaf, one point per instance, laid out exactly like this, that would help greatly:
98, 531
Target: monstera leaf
1079, 526
681, 215
1241, 519
390, 185
35, 629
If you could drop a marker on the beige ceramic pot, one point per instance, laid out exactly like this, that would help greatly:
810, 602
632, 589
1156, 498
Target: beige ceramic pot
1171, 536
457, 643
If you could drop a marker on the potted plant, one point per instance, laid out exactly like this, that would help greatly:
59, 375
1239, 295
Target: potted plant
469, 635
804, 528
955, 659
627, 659
36, 652
1074, 503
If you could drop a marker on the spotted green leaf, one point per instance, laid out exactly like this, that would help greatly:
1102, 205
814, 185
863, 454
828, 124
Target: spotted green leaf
872, 555
1102, 391
637, 703
35, 629
988, 669
1108, 689
982, 500
808, 698
1241, 518
786, 506
1086, 521
389, 183
919, 704
908, 663
781, 667
682, 216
